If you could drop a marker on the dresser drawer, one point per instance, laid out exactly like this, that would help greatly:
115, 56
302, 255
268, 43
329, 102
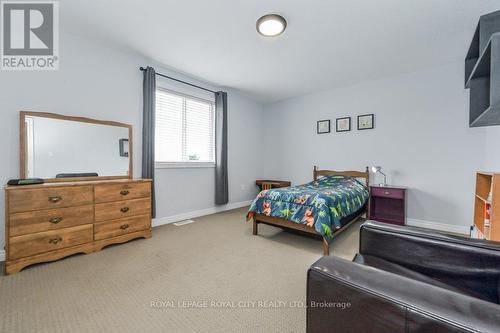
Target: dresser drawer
44, 198
119, 227
118, 192
121, 209
40, 242
394, 193
49, 219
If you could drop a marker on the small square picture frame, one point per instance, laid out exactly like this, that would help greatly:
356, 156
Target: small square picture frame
366, 121
343, 124
323, 126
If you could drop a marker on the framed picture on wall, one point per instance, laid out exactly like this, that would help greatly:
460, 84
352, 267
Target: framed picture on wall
366, 121
343, 124
323, 126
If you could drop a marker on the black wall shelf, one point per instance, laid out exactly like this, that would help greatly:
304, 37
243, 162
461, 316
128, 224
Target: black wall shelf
482, 66
482, 72
472, 55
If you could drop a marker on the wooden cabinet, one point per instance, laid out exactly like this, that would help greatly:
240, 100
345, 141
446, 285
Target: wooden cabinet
50, 221
487, 196
388, 204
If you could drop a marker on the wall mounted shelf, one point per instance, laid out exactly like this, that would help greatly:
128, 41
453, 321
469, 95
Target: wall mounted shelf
472, 55
483, 63
482, 72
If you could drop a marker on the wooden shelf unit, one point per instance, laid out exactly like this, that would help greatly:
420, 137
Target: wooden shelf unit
486, 181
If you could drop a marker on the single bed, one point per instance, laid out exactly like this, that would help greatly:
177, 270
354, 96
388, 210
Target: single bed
322, 208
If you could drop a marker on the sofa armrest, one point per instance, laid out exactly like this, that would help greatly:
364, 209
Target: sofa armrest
344, 296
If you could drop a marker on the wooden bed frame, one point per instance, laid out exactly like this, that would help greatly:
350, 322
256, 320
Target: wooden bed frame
302, 228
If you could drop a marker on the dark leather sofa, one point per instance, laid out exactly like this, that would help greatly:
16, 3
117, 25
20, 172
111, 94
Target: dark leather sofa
407, 279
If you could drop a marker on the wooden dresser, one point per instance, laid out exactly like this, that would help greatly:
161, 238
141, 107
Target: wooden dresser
53, 220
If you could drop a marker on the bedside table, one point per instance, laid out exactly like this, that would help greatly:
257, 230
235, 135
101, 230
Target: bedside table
388, 204
268, 184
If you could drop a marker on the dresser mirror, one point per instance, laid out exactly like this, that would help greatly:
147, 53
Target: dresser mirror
62, 148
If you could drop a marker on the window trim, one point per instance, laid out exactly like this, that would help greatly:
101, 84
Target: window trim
183, 165
189, 164
170, 91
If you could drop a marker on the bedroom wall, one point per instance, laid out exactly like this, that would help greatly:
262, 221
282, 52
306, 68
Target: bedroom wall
492, 149
99, 81
421, 139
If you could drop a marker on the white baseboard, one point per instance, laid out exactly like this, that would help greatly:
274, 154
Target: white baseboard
459, 229
2, 255
197, 213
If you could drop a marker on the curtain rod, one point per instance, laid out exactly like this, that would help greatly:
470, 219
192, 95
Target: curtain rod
174, 79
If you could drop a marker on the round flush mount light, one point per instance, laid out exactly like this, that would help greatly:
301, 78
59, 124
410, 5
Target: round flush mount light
271, 25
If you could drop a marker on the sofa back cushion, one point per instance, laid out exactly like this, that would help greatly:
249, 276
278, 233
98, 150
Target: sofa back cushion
473, 267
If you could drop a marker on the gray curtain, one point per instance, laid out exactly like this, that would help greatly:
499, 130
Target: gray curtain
148, 131
221, 183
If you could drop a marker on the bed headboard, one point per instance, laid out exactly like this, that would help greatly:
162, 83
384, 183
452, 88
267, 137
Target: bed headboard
356, 174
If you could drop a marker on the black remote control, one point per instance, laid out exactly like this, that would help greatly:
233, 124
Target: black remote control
27, 181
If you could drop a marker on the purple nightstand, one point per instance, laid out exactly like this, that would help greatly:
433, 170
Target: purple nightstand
388, 204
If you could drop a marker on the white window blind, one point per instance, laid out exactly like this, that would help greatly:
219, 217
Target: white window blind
184, 132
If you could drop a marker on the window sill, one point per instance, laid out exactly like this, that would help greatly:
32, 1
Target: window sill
183, 165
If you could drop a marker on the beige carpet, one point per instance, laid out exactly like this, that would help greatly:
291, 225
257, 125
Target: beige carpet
259, 281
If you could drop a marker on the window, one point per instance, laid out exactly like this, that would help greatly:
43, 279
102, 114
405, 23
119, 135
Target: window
184, 132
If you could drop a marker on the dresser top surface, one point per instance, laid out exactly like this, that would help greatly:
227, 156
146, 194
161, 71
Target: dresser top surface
76, 183
389, 187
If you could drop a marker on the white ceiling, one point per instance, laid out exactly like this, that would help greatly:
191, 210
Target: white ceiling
327, 44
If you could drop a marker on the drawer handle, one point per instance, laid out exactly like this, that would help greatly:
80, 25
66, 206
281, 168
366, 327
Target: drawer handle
124, 209
124, 192
55, 199
387, 193
55, 240
56, 220
124, 226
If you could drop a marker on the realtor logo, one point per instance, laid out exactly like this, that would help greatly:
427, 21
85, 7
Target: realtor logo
29, 35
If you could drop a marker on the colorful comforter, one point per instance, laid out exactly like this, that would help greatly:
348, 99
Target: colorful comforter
319, 204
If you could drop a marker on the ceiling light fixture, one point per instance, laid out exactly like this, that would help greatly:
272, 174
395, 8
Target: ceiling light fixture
271, 25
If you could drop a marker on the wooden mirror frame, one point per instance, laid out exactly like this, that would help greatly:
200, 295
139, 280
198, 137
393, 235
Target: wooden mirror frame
23, 146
